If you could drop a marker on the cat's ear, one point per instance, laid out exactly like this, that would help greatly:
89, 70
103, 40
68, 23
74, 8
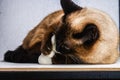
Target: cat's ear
69, 6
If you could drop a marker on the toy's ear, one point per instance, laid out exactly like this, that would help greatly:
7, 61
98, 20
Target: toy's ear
69, 6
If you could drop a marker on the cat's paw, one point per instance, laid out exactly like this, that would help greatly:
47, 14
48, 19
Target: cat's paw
9, 56
44, 59
47, 59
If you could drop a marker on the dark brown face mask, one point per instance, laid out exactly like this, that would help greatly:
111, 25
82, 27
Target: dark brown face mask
65, 36
83, 39
89, 34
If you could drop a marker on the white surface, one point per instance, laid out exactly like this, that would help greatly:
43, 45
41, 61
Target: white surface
35, 65
18, 17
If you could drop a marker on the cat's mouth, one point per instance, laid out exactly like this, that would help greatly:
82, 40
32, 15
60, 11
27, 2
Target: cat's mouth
68, 57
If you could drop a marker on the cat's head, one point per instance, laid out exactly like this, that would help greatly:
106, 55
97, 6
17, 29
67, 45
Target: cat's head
80, 32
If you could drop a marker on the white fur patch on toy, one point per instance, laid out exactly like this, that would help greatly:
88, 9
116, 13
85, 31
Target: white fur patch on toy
47, 59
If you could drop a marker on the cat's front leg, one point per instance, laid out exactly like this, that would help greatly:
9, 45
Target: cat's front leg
47, 58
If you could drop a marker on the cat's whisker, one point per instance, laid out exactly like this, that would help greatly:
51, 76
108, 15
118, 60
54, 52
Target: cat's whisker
75, 59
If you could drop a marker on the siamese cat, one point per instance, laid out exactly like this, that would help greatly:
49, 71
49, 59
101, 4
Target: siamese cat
74, 35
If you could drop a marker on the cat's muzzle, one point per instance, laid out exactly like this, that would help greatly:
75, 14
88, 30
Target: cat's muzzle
64, 49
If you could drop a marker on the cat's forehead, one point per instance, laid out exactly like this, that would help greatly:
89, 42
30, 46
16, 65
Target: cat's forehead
75, 18
79, 19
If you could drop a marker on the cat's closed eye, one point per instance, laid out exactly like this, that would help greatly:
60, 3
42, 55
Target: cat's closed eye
89, 28
77, 35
